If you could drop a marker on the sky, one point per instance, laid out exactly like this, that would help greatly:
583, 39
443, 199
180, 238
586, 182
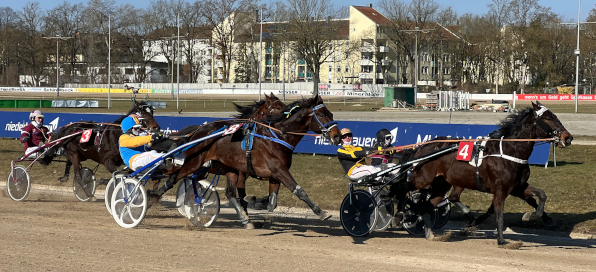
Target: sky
567, 8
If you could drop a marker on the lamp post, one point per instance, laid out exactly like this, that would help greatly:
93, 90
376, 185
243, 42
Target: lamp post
57, 37
109, 61
178, 63
260, 52
178, 47
416, 30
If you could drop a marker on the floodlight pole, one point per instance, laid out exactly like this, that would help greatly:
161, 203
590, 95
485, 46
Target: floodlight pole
57, 37
416, 30
577, 55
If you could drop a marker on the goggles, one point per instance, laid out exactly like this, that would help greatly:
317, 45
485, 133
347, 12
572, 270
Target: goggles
346, 136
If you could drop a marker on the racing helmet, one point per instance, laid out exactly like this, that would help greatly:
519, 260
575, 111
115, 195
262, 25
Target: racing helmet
384, 137
130, 122
35, 113
344, 133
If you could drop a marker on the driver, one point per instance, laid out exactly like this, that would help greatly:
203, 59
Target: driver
384, 139
34, 134
350, 155
132, 144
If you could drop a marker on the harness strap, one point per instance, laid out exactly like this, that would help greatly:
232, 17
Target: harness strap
507, 157
274, 140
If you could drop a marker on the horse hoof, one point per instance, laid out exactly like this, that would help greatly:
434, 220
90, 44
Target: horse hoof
468, 231
529, 216
428, 233
324, 216
249, 226
92, 199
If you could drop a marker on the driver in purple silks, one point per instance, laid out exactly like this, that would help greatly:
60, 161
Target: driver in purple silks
34, 134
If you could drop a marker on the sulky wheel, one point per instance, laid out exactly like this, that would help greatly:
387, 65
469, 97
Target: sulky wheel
108, 194
358, 213
183, 186
385, 210
18, 183
201, 214
441, 214
86, 188
412, 221
129, 203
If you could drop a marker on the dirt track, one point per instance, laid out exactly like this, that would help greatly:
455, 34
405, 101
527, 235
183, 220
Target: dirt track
55, 232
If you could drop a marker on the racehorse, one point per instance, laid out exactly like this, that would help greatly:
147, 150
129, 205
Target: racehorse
270, 159
102, 147
503, 169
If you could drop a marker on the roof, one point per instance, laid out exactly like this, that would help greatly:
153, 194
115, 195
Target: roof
374, 15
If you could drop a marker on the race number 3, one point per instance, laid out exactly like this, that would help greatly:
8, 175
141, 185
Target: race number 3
464, 153
86, 136
233, 128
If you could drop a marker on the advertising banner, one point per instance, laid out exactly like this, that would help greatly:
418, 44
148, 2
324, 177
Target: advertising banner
364, 132
561, 97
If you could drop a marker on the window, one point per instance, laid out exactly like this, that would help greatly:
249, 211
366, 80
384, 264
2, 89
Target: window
163, 72
129, 71
446, 71
347, 68
338, 68
425, 70
141, 71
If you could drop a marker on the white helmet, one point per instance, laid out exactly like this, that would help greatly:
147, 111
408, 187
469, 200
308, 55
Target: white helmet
35, 113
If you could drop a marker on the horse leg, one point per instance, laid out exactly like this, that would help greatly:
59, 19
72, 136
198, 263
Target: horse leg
241, 188
454, 197
78, 179
284, 176
231, 190
528, 196
110, 165
66, 171
499, 205
273, 193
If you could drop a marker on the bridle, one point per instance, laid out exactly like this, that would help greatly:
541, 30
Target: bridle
324, 128
550, 132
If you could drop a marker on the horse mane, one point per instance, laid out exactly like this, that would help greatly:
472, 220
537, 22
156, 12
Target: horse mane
509, 125
245, 112
290, 110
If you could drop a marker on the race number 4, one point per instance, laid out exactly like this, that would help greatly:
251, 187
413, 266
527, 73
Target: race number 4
464, 153
233, 128
86, 135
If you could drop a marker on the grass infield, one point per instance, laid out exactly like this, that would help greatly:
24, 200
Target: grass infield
571, 186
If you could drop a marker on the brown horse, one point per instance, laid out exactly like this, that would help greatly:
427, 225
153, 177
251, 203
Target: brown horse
102, 147
270, 159
501, 171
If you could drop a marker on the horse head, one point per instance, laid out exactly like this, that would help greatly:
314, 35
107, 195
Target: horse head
550, 125
322, 120
274, 105
146, 112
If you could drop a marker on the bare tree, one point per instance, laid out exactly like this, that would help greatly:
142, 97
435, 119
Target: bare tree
313, 33
8, 47
32, 51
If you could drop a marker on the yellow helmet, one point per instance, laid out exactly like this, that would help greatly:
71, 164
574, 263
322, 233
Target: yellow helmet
345, 131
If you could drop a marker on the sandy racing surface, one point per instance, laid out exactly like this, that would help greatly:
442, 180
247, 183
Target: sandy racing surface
55, 232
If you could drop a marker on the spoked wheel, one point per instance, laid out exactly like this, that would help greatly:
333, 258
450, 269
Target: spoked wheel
129, 203
385, 210
413, 222
108, 193
441, 214
358, 216
201, 214
184, 186
86, 188
18, 183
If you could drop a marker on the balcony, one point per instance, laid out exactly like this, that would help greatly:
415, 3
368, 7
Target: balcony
365, 75
300, 75
219, 64
217, 52
379, 75
385, 62
220, 76
383, 49
301, 62
366, 62
268, 62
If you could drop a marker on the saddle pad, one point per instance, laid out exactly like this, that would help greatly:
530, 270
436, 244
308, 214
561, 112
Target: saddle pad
480, 141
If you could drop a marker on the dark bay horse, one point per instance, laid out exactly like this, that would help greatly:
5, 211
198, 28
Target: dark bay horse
501, 172
102, 147
270, 159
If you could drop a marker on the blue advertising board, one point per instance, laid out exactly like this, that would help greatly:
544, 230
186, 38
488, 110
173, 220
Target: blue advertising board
364, 132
